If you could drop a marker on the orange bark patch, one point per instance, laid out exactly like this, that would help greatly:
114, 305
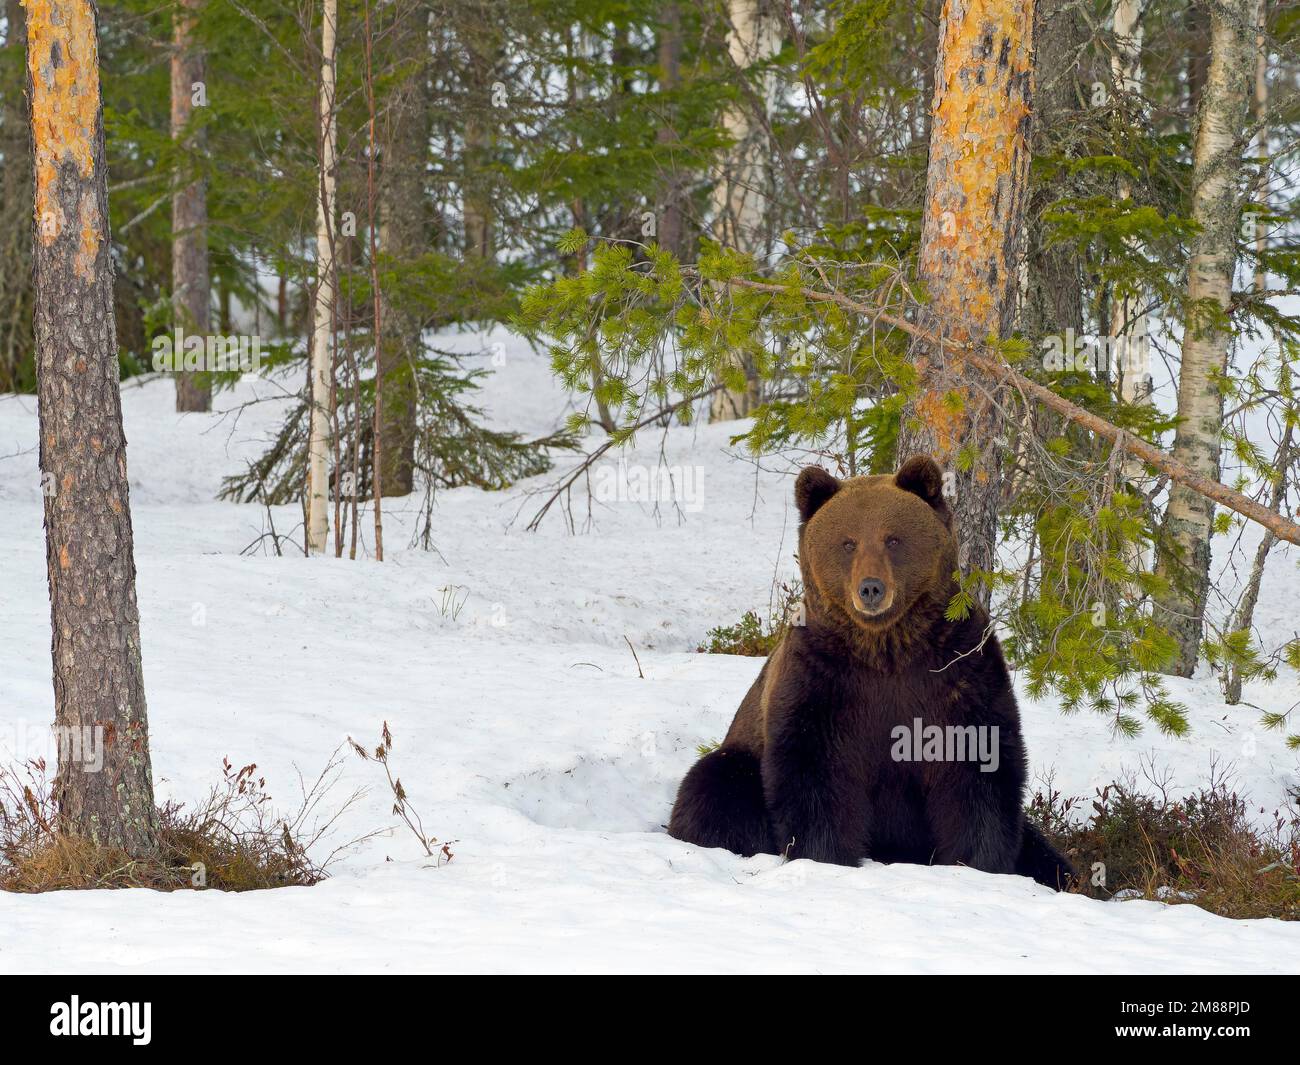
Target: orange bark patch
88, 246
64, 561
947, 425
63, 60
979, 158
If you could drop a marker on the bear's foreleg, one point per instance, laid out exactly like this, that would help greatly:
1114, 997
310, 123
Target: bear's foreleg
816, 811
975, 818
720, 804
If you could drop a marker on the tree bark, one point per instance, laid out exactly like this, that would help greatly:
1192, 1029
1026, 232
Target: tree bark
404, 237
1183, 558
377, 464
1128, 324
671, 223
98, 676
1261, 139
1053, 296
322, 356
481, 42
971, 237
190, 284
742, 190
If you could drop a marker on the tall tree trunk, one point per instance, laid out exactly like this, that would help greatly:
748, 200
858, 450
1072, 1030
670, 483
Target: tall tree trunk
971, 237
1131, 371
1128, 325
671, 222
1261, 139
1052, 302
1217, 194
372, 228
481, 40
743, 191
17, 343
190, 286
578, 47
98, 677
322, 355
404, 236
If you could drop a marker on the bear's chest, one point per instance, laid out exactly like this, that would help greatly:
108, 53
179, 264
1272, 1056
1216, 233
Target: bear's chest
873, 701
868, 714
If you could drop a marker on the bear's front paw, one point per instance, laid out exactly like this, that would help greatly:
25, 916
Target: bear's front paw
792, 845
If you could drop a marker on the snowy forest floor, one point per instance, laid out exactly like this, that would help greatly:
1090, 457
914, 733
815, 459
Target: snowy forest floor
524, 732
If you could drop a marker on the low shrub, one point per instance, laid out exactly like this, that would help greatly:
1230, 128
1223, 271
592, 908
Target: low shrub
234, 840
753, 635
1205, 848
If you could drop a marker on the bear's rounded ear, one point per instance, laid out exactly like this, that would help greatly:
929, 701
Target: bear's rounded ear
812, 488
921, 476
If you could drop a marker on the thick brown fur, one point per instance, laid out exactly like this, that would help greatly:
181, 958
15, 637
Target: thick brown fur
809, 768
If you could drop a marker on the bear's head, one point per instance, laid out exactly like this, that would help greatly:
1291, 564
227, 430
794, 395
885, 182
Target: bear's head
874, 548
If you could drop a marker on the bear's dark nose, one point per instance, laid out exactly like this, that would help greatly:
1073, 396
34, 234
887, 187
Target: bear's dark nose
871, 591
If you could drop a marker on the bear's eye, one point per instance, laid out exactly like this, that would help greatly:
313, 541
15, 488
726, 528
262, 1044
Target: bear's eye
850, 545
892, 541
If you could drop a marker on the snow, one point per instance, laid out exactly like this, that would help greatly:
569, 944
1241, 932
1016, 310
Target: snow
524, 732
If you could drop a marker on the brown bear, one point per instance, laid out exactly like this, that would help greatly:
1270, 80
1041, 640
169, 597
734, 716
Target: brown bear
878, 728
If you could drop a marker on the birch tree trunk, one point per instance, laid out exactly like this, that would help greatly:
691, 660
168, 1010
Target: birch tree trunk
322, 357
1128, 324
1217, 195
971, 237
99, 701
190, 284
743, 187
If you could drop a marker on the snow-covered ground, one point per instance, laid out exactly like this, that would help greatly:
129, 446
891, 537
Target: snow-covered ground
524, 731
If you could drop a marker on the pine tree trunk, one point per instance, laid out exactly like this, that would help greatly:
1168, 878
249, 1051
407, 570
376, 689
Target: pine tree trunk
404, 236
322, 356
971, 236
1052, 302
671, 222
1217, 190
1130, 369
98, 677
190, 286
481, 42
742, 191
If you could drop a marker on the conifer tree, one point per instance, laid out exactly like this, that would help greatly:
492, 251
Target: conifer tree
99, 697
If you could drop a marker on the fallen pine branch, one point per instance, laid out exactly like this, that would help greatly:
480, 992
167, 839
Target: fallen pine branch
995, 367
